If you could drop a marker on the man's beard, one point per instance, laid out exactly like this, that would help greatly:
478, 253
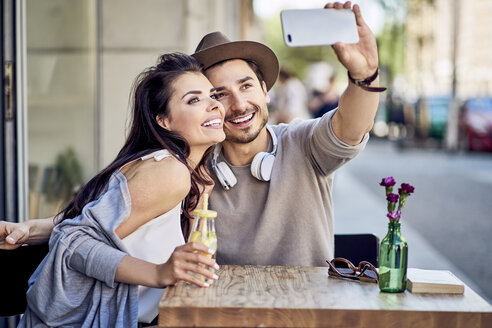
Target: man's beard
247, 135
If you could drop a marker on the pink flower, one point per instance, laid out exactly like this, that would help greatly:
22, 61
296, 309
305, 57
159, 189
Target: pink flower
394, 215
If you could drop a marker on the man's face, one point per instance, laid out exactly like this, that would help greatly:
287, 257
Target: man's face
244, 98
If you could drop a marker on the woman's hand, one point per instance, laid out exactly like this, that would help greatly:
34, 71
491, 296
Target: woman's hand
184, 260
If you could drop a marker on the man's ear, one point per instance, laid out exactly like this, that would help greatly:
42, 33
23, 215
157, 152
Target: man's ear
265, 92
164, 122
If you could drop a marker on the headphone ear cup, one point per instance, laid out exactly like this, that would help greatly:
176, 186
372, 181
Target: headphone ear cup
220, 177
262, 164
227, 174
266, 167
257, 164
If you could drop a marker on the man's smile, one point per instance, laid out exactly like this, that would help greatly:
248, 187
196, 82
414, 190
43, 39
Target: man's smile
242, 120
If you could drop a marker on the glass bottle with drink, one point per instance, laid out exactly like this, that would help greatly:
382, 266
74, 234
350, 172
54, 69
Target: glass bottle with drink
203, 231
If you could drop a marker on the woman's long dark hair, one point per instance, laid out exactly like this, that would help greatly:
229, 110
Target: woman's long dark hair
152, 91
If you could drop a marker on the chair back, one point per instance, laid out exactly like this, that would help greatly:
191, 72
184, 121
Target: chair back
358, 247
17, 267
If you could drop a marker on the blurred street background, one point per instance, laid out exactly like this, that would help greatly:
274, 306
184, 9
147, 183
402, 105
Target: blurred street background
447, 221
433, 128
76, 61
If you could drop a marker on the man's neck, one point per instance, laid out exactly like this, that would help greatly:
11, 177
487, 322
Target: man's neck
239, 154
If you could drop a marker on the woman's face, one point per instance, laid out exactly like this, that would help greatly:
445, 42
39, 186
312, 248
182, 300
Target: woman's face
194, 114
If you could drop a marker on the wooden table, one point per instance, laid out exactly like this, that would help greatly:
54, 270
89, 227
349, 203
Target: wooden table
252, 296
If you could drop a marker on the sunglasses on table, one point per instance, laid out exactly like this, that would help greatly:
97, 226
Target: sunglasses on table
343, 268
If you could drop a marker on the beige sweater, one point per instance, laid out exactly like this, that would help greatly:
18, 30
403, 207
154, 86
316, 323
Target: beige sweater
289, 220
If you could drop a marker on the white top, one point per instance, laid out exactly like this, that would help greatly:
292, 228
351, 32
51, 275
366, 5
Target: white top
154, 242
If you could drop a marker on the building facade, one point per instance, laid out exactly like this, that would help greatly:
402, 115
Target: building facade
443, 35
77, 61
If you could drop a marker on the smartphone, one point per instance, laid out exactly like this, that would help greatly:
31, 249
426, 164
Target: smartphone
318, 27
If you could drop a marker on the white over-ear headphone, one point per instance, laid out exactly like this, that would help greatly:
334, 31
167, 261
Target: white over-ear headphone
261, 166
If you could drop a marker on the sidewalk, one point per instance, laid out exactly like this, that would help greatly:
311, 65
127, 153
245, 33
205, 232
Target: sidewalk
357, 210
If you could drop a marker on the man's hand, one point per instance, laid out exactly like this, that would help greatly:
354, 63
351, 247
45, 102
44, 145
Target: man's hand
360, 59
32, 232
357, 107
13, 235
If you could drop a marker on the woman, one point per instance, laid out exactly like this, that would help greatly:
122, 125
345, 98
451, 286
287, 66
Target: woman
127, 218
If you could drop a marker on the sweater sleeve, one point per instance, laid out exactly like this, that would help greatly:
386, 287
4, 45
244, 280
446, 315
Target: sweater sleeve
325, 150
95, 259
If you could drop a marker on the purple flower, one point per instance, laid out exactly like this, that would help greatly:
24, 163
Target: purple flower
392, 198
394, 215
403, 192
387, 182
406, 188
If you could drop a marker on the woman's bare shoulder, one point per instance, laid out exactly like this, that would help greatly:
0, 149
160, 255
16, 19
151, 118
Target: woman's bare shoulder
167, 181
155, 187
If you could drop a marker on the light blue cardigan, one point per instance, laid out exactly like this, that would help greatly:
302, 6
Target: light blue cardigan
74, 285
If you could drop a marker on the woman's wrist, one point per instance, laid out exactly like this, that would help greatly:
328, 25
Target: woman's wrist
162, 279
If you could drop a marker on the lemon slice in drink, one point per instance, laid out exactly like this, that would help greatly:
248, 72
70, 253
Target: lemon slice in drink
210, 241
196, 237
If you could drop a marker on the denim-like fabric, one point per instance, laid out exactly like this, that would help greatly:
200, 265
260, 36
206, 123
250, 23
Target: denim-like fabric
74, 286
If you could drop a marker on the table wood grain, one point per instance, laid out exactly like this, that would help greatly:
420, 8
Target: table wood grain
280, 296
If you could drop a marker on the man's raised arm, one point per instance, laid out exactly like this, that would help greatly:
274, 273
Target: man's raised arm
358, 104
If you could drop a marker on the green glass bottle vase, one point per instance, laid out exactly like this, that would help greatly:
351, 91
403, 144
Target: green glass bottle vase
393, 255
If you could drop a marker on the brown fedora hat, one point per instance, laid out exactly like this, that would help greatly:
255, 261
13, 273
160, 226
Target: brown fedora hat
216, 47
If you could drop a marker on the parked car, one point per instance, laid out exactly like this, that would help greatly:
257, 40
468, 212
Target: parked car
476, 124
433, 114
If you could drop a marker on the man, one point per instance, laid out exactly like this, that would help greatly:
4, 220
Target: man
277, 208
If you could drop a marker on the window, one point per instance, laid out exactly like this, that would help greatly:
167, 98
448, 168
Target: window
61, 60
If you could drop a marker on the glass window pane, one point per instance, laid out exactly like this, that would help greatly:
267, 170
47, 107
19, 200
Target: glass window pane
61, 100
